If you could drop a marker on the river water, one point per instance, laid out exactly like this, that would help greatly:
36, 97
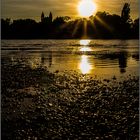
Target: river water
103, 58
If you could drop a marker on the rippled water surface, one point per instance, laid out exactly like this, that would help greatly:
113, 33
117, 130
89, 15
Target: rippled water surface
104, 58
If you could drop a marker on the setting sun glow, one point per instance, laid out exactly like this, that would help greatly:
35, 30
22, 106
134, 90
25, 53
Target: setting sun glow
86, 8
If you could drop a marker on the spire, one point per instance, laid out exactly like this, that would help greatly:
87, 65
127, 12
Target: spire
50, 16
42, 17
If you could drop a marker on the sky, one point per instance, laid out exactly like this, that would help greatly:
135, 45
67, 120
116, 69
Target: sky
16, 9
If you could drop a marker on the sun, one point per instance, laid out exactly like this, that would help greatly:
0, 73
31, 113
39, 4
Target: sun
86, 8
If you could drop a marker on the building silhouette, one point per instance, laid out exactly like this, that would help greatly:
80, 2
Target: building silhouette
46, 19
50, 17
42, 17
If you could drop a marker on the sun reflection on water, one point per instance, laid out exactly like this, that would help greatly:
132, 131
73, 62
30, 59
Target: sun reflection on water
84, 65
84, 42
85, 49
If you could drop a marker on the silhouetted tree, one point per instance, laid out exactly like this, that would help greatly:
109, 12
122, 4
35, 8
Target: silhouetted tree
125, 15
5, 30
103, 25
126, 21
66, 18
135, 28
23, 28
59, 21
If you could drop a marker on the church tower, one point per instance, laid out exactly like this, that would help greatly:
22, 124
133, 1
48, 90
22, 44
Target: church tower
42, 17
50, 17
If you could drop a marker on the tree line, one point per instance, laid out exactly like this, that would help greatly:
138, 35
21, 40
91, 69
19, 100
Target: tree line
101, 26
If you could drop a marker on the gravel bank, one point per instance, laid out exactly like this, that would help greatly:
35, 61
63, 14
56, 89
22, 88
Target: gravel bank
38, 105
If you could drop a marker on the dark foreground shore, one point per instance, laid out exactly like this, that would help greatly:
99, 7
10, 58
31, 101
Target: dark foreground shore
38, 105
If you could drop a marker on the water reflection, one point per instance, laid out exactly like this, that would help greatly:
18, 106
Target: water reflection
46, 58
85, 66
85, 49
123, 61
105, 57
84, 42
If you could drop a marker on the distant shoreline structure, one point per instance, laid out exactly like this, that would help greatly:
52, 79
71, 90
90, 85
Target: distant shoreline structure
101, 26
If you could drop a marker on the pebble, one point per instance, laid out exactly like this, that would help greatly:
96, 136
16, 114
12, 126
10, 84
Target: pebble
73, 111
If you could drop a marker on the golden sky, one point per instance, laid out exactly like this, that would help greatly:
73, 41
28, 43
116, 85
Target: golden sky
32, 8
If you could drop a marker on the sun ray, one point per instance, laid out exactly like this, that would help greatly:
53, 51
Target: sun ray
76, 27
66, 24
103, 23
84, 28
93, 26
